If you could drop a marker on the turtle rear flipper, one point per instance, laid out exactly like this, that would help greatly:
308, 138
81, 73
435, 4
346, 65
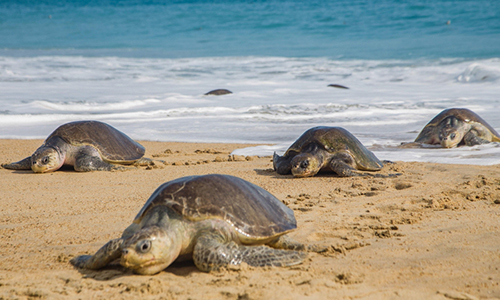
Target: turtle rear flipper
109, 252
211, 252
144, 161
24, 164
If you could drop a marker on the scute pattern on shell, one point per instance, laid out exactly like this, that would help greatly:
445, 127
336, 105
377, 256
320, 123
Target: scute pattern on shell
253, 211
114, 145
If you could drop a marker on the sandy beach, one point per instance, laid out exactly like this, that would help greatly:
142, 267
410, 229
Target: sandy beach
430, 233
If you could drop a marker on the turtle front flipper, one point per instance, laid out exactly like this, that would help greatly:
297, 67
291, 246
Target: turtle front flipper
472, 139
88, 159
109, 252
87, 163
428, 135
343, 169
343, 165
281, 164
211, 252
24, 164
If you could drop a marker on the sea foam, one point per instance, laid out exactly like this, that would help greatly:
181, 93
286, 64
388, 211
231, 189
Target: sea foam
274, 99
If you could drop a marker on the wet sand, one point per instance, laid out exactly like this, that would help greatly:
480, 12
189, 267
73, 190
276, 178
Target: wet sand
431, 233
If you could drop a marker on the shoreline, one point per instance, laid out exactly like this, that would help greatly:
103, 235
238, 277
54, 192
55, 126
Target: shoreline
430, 233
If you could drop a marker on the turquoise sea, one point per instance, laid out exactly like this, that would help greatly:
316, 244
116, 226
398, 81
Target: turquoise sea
342, 29
143, 67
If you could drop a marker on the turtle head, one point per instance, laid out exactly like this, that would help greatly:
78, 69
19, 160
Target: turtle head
150, 250
46, 159
305, 165
452, 132
449, 137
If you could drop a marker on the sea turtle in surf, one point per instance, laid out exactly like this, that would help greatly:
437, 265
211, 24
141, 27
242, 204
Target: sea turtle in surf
218, 92
457, 126
86, 145
339, 86
326, 148
217, 220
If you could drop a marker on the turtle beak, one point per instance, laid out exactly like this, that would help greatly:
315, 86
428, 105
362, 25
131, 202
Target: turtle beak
125, 258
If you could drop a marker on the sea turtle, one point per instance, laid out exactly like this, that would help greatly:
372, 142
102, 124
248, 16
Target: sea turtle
457, 126
86, 145
218, 92
339, 86
326, 148
218, 220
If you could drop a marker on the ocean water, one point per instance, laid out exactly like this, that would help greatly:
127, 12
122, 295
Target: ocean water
144, 66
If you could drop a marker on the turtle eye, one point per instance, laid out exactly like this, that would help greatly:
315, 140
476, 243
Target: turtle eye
144, 246
452, 136
304, 164
45, 160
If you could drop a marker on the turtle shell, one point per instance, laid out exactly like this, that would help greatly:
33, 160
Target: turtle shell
335, 139
113, 145
462, 114
253, 211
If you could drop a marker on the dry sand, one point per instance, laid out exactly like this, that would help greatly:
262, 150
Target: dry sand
431, 233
